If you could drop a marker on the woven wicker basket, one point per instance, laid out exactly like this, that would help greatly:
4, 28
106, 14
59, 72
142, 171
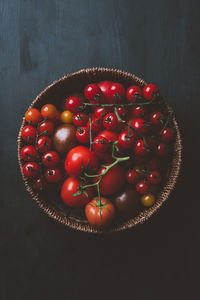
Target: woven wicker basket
55, 93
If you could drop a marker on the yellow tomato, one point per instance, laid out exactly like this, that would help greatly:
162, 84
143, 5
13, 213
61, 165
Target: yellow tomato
66, 116
148, 199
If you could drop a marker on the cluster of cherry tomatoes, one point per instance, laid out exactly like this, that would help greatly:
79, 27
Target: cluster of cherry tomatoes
112, 168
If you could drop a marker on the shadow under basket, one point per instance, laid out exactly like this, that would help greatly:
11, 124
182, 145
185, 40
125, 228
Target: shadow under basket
50, 202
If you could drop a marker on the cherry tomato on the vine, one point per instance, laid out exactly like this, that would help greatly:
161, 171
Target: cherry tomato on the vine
44, 144
31, 170
96, 125
141, 148
162, 149
72, 103
104, 87
53, 175
154, 177
100, 144
83, 134
132, 176
134, 93
39, 184
49, 111
121, 112
29, 134
157, 118
116, 93
46, 128
50, 159
150, 92
167, 135
140, 125
66, 117
93, 93
100, 112
110, 121
111, 136
28, 153
126, 139
80, 119
142, 187
139, 111
33, 116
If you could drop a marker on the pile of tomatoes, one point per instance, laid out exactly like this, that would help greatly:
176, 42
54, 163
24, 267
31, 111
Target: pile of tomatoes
107, 149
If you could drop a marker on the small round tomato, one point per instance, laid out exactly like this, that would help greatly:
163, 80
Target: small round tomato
83, 135
104, 87
110, 121
132, 176
141, 148
50, 159
140, 125
28, 153
162, 149
111, 136
80, 119
72, 103
121, 112
44, 144
80, 159
154, 177
39, 184
142, 187
46, 128
140, 170
150, 92
134, 93
101, 111
96, 125
126, 139
33, 116
49, 111
116, 93
139, 111
157, 118
167, 135
66, 117
148, 199
100, 144
29, 134
100, 213
53, 175
72, 195
93, 93
31, 170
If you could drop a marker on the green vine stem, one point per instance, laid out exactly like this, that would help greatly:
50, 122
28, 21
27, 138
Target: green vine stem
123, 104
90, 121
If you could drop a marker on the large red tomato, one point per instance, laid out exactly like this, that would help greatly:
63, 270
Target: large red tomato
80, 159
70, 187
104, 87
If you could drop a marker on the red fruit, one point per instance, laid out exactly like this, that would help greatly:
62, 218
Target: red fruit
83, 135
93, 93
46, 128
162, 149
167, 135
100, 112
50, 159
134, 93
116, 93
57, 119
72, 103
154, 177
141, 148
29, 134
80, 119
39, 184
31, 170
28, 153
110, 121
139, 112
44, 144
132, 176
111, 136
156, 118
140, 125
49, 111
126, 139
96, 125
104, 87
53, 175
100, 144
33, 116
121, 112
153, 164
150, 92
142, 187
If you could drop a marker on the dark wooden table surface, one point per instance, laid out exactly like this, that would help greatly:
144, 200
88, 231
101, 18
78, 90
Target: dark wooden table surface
41, 41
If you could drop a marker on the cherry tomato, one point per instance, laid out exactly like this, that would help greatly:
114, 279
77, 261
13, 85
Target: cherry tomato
71, 187
112, 181
28, 153
100, 112
140, 170
139, 111
154, 177
142, 187
93, 93
104, 87
49, 111
132, 176
72, 103
44, 144
83, 135
134, 93
100, 214
150, 92
100, 144
140, 125
80, 119
80, 159
31, 170
96, 125
121, 112
126, 139
111, 136
157, 118
46, 128
148, 199
162, 149
141, 148
53, 175
33, 116
66, 117
39, 184
29, 134
50, 159
116, 93
167, 135
110, 121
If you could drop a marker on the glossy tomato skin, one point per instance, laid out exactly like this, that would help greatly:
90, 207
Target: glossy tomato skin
162, 149
46, 128
121, 112
96, 125
111, 136
139, 112
39, 184
167, 135
150, 92
157, 118
154, 177
134, 93
100, 144
148, 199
31, 170
126, 139
110, 121
132, 176
80, 159
28, 153
104, 87
66, 117
44, 144
140, 125
100, 217
53, 175
93, 93
29, 134
33, 116
142, 187
72, 103
141, 148
50, 159
49, 111
80, 119
83, 135
70, 187
116, 93
100, 112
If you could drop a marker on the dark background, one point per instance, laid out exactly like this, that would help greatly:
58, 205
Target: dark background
43, 40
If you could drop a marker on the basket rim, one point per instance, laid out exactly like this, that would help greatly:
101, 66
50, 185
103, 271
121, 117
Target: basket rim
143, 215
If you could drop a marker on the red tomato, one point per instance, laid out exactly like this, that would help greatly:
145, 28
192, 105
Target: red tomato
100, 112
121, 112
142, 187
39, 184
116, 93
140, 125
110, 121
111, 136
100, 214
132, 176
126, 139
150, 92
80, 119
50, 159
44, 144
46, 128
141, 148
167, 135
70, 187
53, 175
80, 159
157, 118
100, 144
49, 111
134, 93
154, 177
104, 87
83, 135
72, 103
96, 124
162, 149
29, 134
33, 116
93, 93
31, 170
139, 111
28, 153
